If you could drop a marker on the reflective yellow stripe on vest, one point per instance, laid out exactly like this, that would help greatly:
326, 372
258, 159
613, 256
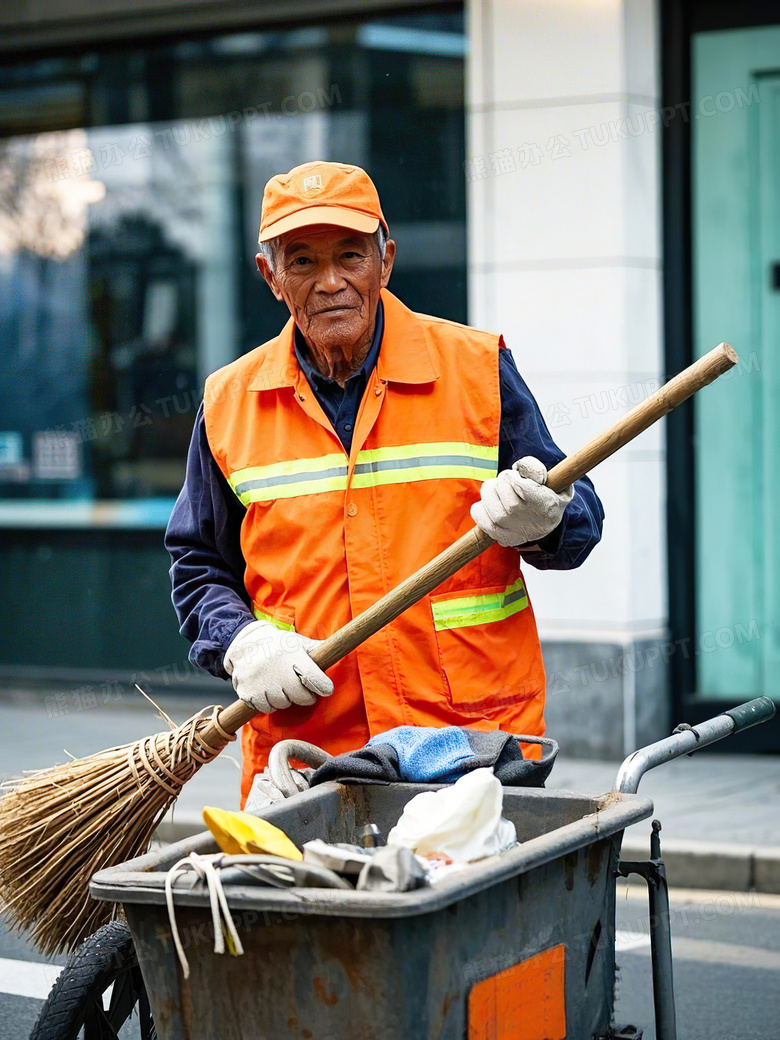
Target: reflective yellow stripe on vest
376, 466
479, 610
261, 615
290, 479
373, 467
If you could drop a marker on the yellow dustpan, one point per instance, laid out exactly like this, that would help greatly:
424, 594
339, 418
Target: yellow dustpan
240, 832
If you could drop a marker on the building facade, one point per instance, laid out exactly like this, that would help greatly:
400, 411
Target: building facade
552, 171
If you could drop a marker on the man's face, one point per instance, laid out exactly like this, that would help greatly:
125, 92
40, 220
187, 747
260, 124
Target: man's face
330, 278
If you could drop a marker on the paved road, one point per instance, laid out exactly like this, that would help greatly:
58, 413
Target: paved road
24, 982
727, 968
726, 949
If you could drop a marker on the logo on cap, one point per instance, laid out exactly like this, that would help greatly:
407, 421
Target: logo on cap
313, 184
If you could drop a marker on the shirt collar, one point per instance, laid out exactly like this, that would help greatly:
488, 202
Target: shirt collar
404, 356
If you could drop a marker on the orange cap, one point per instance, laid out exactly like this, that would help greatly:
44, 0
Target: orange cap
320, 193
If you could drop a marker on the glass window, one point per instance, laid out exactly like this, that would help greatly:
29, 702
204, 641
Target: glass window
132, 185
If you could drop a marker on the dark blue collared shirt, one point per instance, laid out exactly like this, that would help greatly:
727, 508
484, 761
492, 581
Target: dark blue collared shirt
204, 532
341, 404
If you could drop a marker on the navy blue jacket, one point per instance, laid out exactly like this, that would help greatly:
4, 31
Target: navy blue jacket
204, 531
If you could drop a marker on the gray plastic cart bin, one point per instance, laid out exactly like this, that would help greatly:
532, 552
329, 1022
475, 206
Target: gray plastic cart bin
335, 965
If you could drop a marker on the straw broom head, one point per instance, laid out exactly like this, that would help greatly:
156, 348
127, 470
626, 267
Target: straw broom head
59, 826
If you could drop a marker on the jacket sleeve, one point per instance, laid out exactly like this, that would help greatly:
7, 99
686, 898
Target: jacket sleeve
524, 432
207, 566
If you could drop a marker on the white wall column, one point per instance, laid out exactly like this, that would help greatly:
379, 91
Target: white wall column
564, 207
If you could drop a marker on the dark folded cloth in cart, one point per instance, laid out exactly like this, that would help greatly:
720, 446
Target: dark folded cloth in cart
427, 754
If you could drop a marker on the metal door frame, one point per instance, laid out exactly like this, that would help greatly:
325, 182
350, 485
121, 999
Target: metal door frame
679, 22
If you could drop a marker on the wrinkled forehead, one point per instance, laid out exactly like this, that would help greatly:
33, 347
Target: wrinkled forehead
322, 237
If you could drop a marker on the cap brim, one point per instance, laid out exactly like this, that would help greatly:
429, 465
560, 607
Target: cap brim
336, 216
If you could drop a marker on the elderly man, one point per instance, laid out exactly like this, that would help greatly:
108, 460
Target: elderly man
333, 461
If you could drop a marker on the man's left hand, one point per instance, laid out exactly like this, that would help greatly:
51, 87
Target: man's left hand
515, 508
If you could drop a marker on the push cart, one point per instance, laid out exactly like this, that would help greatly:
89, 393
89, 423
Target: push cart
519, 946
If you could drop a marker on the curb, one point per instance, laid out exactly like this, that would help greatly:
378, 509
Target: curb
689, 864
714, 865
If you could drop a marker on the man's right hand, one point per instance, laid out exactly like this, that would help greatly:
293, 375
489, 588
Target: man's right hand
271, 669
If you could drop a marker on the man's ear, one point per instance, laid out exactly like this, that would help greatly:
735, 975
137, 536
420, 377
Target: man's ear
387, 262
266, 271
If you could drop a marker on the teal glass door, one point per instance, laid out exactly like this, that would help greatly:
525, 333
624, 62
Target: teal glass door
735, 126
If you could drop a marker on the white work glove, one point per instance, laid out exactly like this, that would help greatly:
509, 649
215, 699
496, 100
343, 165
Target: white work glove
516, 508
271, 669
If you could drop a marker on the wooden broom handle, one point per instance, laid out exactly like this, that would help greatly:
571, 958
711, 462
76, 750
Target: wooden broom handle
475, 541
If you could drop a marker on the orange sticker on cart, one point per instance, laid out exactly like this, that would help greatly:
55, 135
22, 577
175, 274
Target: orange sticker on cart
524, 1002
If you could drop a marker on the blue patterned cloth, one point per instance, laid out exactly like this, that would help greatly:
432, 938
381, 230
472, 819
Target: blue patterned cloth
427, 754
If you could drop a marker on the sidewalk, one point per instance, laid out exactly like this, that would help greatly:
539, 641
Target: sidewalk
720, 813
720, 816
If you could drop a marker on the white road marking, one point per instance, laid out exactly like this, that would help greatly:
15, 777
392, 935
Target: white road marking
626, 941
694, 896
704, 951
27, 978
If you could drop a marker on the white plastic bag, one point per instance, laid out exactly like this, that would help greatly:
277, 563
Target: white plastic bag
462, 822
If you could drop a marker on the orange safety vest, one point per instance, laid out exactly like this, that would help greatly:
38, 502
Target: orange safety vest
325, 535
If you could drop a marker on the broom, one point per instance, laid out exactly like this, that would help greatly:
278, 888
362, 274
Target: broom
59, 826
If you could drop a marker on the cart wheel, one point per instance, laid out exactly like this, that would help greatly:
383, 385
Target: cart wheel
98, 991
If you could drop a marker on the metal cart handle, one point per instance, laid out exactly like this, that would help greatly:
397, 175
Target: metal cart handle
279, 769
689, 738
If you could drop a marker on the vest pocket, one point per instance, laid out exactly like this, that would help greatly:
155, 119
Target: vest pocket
488, 648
